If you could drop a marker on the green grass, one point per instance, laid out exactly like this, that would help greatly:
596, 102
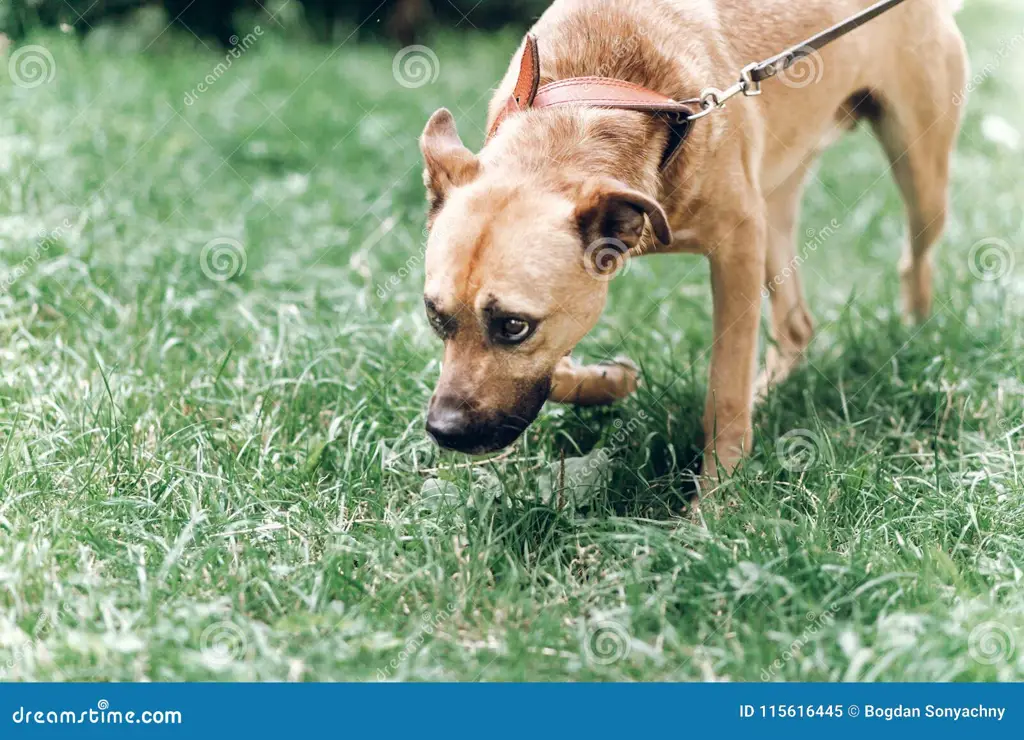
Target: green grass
209, 479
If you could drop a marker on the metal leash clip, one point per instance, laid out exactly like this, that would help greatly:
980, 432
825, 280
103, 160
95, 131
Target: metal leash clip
712, 99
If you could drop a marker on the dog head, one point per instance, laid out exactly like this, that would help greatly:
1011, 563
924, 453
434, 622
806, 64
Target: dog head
517, 269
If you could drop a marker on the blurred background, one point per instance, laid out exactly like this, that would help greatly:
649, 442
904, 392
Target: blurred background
403, 21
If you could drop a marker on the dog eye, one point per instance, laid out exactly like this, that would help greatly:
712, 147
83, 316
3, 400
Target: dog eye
440, 326
443, 326
512, 331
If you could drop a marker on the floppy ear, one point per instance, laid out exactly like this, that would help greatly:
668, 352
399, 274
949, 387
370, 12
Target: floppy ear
448, 162
608, 209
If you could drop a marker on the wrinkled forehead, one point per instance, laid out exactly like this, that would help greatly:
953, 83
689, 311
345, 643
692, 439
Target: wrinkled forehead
500, 244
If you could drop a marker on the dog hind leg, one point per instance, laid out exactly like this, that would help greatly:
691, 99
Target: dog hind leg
791, 325
917, 125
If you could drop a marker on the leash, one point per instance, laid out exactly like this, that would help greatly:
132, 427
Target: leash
603, 92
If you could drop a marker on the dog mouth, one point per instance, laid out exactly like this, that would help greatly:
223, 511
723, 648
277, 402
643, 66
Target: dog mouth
458, 430
480, 439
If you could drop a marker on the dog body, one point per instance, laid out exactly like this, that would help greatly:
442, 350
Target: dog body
511, 227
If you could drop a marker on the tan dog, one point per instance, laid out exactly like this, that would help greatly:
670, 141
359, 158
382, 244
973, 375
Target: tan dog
510, 283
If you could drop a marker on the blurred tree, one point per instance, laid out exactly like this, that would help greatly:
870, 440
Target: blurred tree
407, 20
403, 20
210, 18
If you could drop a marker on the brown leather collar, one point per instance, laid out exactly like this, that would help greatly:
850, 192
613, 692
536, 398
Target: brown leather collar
593, 92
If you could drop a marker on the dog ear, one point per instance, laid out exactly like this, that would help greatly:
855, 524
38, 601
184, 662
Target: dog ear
608, 209
448, 162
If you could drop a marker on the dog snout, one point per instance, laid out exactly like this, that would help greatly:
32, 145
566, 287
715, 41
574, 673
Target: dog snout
451, 426
462, 428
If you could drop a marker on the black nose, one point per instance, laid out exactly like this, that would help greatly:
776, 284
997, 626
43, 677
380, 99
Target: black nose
452, 428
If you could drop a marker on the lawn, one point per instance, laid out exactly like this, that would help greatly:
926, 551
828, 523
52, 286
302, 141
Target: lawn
215, 367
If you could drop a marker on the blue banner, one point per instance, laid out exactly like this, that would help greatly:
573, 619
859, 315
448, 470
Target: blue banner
510, 710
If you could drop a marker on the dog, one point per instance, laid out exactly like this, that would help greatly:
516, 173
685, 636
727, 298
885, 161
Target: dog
509, 281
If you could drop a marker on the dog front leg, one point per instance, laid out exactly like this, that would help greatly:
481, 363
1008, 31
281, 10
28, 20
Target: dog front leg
737, 273
592, 385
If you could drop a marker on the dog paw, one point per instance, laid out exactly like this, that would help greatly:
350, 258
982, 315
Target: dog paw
593, 385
